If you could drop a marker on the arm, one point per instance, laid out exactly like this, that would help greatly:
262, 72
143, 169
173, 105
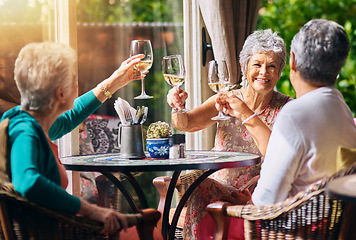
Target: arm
88, 103
234, 106
196, 119
34, 174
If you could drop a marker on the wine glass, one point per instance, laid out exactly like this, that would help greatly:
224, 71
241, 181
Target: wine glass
174, 73
218, 81
142, 47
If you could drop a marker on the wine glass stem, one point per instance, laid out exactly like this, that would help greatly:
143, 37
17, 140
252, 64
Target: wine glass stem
176, 110
221, 114
143, 84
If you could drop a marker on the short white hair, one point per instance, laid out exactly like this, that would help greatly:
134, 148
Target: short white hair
263, 41
320, 49
40, 69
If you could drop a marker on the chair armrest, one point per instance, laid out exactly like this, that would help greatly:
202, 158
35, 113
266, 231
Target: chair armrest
28, 216
162, 184
145, 222
218, 212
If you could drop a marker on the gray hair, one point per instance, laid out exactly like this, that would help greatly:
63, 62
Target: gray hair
320, 48
40, 69
263, 41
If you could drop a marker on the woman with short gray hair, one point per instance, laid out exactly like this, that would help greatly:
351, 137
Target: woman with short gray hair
253, 111
46, 78
259, 42
37, 76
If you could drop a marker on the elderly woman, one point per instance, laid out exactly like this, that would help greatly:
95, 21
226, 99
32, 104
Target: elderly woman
308, 131
45, 76
262, 60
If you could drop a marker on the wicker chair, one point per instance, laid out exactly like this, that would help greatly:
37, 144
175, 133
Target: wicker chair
311, 214
183, 183
22, 219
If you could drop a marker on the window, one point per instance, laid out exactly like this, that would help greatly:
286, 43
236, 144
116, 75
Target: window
105, 30
21, 22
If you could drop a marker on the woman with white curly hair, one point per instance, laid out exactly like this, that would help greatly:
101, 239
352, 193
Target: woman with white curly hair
45, 76
253, 111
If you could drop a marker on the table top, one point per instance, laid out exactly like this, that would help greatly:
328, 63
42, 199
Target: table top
112, 162
343, 188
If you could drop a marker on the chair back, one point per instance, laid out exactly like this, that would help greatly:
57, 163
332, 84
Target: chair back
4, 153
311, 214
22, 219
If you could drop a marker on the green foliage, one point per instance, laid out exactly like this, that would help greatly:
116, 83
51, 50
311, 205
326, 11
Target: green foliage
288, 16
129, 11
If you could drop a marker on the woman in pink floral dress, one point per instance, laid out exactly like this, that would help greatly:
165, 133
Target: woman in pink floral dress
253, 111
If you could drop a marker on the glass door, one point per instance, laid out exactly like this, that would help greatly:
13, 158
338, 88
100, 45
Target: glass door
105, 30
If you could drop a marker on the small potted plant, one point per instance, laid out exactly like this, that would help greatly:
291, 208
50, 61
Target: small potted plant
157, 139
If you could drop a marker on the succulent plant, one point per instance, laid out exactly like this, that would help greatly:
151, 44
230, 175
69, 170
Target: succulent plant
158, 130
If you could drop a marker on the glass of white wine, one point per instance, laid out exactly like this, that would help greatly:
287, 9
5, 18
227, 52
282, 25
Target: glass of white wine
218, 81
174, 73
142, 47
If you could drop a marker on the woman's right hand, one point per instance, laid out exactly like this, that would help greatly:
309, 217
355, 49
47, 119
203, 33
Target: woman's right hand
176, 98
113, 221
232, 105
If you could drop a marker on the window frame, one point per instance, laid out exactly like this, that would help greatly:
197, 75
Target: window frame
65, 19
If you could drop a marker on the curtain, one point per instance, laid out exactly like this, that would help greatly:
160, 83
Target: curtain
229, 22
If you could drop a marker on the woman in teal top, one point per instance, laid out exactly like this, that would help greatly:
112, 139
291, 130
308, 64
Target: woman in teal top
45, 77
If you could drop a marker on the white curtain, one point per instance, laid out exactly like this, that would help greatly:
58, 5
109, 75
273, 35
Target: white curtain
228, 23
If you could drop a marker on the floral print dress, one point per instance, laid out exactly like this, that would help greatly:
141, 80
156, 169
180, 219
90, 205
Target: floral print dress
231, 135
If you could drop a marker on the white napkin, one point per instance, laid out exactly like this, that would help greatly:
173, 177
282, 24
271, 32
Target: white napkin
124, 110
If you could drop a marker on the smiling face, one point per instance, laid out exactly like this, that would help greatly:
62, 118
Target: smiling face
263, 72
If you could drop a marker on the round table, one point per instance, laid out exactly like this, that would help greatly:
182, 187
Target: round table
211, 161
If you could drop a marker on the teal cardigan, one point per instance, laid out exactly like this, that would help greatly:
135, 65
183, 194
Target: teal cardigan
34, 170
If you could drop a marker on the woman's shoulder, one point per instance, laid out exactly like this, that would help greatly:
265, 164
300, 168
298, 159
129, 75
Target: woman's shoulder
279, 99
20, 122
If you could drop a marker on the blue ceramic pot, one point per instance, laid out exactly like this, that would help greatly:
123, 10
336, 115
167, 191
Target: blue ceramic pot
158, 147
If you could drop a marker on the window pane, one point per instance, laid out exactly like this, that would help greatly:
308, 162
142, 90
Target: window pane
105, 30
21, 22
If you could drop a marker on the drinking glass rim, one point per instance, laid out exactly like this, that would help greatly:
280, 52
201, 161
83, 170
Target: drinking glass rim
141, 40
174, 55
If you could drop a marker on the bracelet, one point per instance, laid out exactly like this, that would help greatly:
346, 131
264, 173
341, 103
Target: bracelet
106, 92
253, 115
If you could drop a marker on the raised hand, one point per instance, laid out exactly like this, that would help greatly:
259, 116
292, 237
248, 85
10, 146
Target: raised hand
176, 98
230, 104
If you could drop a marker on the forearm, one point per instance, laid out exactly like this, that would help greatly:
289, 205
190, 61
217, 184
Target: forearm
196, 119
259, 132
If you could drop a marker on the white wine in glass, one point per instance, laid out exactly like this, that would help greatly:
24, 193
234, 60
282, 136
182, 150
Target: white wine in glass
142, 47
218, 81
174, 73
